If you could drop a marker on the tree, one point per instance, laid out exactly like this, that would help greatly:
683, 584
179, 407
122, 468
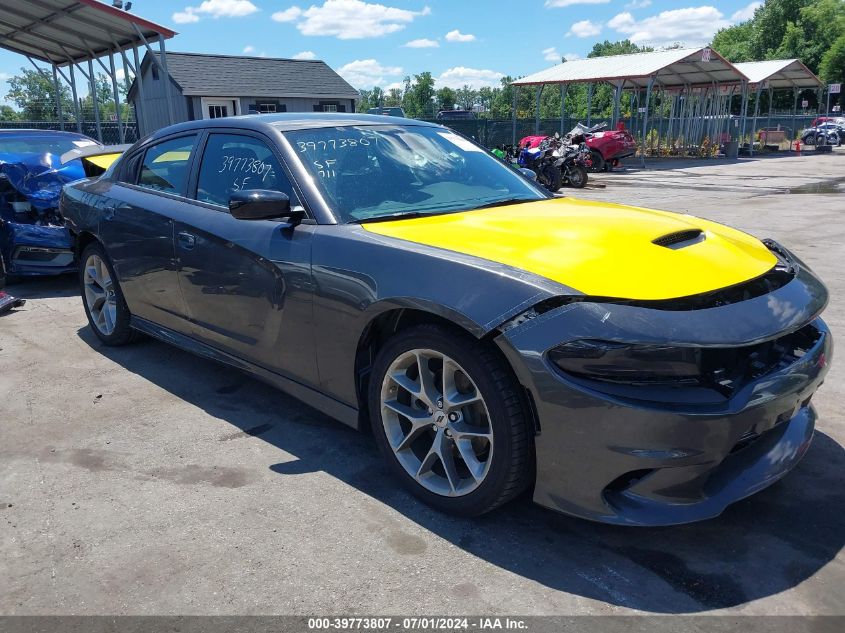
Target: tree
734, 43
34, 93
832, 68
466, 97
446, 99
7, 113
622, 47
418, 100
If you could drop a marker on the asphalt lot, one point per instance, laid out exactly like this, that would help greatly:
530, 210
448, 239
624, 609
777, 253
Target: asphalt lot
143, 480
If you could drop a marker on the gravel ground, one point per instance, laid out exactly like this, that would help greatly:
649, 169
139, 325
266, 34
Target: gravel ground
143, 480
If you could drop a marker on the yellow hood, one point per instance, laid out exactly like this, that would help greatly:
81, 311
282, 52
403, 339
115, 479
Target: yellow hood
599, 249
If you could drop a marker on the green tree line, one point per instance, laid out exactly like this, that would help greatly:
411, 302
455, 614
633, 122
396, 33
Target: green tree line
34, 95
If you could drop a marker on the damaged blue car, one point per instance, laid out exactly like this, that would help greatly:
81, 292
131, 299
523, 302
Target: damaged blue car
33, 237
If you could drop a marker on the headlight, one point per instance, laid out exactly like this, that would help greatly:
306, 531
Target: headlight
623, 362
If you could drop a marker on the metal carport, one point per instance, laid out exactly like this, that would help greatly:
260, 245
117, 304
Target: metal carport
701, 80
778, 74
69, 33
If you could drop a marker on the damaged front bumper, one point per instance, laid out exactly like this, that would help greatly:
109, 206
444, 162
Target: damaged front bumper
627, 454
30, 249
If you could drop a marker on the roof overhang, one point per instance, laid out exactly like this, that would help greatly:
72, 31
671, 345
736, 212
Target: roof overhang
691, 67
780, 74
70, 31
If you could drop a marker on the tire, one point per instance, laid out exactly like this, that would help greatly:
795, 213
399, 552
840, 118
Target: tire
820, 140
553, 178
494, 420
577, 176
105, 307
597, 160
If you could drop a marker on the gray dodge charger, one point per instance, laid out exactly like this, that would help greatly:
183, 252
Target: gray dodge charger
622, 364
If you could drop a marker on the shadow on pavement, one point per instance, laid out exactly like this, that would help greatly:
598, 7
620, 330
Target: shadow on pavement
759, 547
45, 287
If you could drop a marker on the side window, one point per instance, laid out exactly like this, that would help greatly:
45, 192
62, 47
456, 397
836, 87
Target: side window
232, 163
165, 166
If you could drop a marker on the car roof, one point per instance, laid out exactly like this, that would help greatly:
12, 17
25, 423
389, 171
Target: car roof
284, 122
37, 132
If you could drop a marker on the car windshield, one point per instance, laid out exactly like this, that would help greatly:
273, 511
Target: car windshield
42, 144
371, 172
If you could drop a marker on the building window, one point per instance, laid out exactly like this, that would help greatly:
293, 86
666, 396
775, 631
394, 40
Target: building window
266, 108
329, 106
155, 72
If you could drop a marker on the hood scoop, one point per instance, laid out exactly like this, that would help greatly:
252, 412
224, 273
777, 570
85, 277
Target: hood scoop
680, 239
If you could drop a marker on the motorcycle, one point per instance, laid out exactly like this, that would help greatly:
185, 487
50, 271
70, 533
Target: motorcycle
574, 163
542, 162
572, 160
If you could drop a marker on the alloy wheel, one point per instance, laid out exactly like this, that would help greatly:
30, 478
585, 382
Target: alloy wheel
436, 422
100, 294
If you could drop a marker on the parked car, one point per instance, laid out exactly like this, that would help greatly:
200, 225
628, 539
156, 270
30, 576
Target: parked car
33, 238
828, 133
393, 111
456, 115
629, 366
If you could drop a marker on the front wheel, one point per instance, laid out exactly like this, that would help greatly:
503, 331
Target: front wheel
597, 159
450, 419
552, 178
105, 307
821, 139
577, 176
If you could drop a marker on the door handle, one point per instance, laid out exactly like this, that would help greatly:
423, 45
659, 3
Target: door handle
187, 240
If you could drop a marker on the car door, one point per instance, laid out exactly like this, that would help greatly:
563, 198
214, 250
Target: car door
246, 283
137, 229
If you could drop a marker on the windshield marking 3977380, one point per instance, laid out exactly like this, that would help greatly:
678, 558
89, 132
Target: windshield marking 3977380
372, 172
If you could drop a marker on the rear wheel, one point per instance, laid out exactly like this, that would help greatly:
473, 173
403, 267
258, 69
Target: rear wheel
449, 418
105, 307
821, 139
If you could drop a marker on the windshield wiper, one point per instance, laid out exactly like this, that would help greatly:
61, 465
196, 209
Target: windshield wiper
406, 215
504, 203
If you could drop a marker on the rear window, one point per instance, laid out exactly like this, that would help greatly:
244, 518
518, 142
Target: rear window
165, 166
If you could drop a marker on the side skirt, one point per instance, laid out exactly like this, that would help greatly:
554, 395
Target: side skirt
323, 403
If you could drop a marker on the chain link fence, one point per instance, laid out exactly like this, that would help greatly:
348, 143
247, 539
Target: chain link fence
496, 132
111, 134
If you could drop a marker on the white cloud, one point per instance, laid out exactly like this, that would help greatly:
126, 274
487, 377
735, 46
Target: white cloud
366, 73
747, 13
571, 57
185, 17
396, 85
460, 76
288, 15
349, 19
215, 9
638, 4
585, 28
422, 43
457, 36
305, 55
249, 49
554, 4
551, 55
693, 25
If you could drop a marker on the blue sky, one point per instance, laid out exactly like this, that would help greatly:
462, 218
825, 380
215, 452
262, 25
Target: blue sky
460, 41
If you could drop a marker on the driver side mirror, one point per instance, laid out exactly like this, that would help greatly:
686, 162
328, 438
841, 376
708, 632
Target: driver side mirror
262, 204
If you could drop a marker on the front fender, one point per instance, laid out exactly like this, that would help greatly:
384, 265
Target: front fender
359, 275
